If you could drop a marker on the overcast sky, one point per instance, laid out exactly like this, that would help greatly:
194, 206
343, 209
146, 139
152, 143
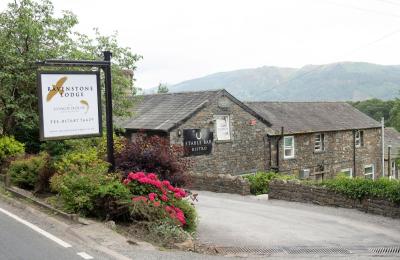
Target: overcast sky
185, 39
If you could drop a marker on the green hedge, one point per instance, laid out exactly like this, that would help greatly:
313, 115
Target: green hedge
259, 182
359, 188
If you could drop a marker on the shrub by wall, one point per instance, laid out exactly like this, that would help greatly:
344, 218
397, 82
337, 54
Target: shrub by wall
360, 188
30, 172
259, 182
97, 194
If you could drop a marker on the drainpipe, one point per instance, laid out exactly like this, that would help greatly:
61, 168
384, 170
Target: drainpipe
277, 149
270, 151
266, 165
389, 162
354, 153
383, 146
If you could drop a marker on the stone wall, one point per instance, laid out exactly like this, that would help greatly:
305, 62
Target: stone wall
245, 151
222, 183
294, 191
338, 153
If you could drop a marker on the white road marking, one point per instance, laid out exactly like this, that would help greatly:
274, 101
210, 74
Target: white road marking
84, 255
37, 229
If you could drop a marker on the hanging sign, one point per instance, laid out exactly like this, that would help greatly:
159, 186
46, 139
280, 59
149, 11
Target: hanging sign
197, 141
69, 104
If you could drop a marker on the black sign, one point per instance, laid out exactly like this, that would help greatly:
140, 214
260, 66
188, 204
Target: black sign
197, 141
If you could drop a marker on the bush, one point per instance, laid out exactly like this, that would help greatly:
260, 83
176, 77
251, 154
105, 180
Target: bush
59, 148
155, 155
190, 214
168, 233
259, 182
359, 188
81, 161
154, 200
9, 147
96, 194
30, 172
55, 148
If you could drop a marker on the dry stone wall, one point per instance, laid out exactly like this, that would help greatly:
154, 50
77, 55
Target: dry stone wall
222, 183
295, 191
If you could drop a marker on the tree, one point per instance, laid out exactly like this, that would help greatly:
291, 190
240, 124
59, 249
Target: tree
29, 32
395, 115
376, 109
162, 88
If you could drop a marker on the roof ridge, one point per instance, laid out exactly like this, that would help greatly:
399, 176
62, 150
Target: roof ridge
304, 102
184, 92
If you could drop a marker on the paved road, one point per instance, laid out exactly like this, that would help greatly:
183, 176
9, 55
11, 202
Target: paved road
20, 241
233, 220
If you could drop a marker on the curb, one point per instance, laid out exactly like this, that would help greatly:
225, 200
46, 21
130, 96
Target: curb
25, 195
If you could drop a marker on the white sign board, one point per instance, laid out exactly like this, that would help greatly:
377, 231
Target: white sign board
222, 127
69, 104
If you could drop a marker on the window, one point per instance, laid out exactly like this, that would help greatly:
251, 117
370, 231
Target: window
348, 172
369, 171
288, 147
359, 138
222, 128
319, 145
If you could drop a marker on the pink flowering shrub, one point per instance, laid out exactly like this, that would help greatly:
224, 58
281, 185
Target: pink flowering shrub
154, 154
154, 194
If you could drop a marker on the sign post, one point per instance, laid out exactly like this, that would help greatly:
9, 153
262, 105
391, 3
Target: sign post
70, 103
109, 116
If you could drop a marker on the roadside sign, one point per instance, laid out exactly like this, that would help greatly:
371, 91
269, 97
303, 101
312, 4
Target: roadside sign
69, 104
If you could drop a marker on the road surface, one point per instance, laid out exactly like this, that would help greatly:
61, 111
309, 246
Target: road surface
242, 221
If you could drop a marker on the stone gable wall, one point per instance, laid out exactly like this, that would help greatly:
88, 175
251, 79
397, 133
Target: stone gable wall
245, 151
294, 191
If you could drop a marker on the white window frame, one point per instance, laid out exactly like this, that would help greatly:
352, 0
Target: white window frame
319, 143
350, 170
226, 118
285, 147
373, 171
359, 138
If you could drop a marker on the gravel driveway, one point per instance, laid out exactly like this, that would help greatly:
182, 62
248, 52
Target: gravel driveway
244, 221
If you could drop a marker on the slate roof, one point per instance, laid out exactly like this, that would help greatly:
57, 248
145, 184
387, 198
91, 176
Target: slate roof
163, 112
392, 137
305, 117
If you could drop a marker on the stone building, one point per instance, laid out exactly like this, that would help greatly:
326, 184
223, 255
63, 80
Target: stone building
317, 140
392, 152
221, 134
225, 136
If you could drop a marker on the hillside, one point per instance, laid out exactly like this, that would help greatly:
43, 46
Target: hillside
346, 81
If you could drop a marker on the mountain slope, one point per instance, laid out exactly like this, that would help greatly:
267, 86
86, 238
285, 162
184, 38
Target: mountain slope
332, 82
